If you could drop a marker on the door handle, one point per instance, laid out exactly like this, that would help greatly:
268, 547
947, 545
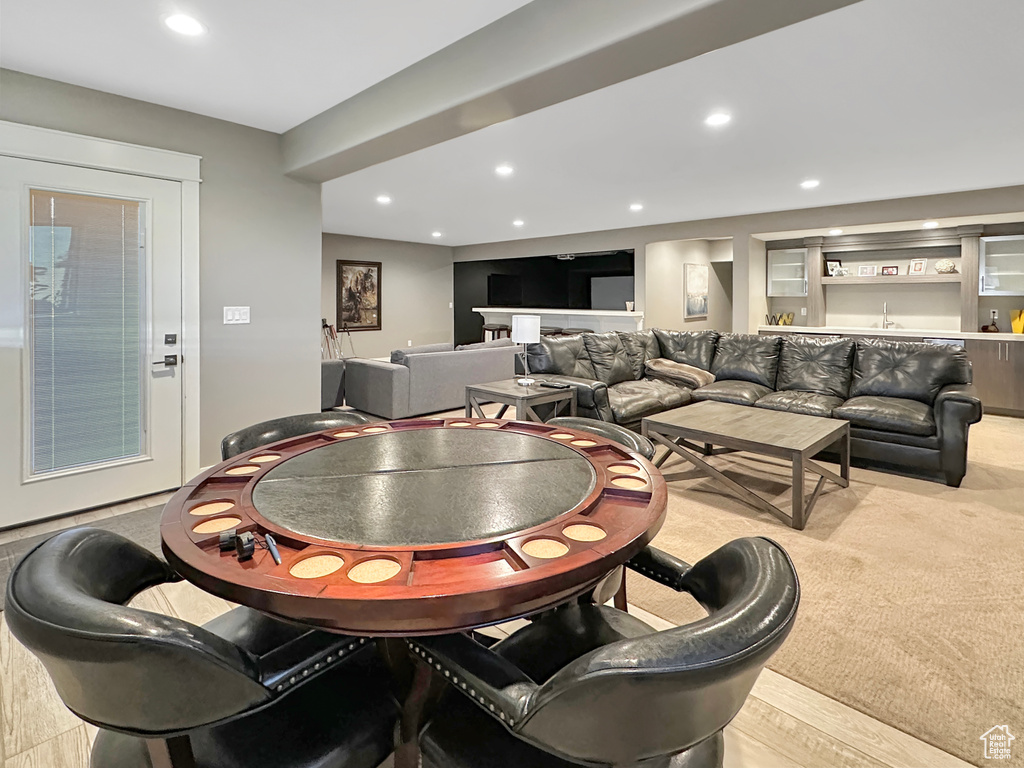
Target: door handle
169, 360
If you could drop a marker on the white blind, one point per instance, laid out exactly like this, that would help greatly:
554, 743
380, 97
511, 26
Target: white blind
86, 330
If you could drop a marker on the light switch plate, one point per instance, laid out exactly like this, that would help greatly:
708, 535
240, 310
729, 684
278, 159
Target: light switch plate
236, 315
803, 311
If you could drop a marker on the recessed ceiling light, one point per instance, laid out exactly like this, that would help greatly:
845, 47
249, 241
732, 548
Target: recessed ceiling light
930, 225
504, 170
809, 183
383, 199
518, 223
184, 25
636, 207
435, 234
835, 231
717, 118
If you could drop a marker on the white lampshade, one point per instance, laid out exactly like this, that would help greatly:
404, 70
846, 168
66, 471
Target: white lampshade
526, 329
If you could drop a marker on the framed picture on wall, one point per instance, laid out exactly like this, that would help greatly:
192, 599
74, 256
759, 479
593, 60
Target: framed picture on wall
695, 291
359, 295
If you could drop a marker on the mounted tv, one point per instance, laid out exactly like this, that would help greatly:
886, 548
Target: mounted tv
504, 291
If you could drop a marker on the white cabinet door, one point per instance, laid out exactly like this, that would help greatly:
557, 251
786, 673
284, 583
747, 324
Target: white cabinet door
90, 298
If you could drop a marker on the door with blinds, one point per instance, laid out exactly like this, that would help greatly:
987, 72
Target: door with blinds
90, 324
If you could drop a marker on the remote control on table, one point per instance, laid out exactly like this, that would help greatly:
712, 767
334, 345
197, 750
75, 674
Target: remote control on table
554, 385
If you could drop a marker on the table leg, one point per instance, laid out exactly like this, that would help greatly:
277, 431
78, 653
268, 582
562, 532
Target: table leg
798, 492
503, 410
407, 750
572, 404
469, 406
175, 752
844, 456
620, 597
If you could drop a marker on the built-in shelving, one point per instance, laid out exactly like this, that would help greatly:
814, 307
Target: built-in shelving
891, 279
787, 272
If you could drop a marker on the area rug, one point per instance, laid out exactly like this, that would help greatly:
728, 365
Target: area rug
912, 592
141, 526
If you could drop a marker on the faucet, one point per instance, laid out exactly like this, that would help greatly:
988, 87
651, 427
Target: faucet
886, 322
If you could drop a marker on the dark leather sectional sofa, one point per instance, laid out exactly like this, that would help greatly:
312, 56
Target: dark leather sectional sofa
909, 404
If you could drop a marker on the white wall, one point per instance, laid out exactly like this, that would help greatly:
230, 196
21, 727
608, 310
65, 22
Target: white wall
665, 286
259, 247
931, 306
416, 292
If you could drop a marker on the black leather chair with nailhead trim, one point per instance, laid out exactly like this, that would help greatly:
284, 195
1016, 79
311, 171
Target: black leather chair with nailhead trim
287, 426
242, 691
591, 685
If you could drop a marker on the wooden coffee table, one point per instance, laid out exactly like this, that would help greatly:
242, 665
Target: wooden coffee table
732, 428
509, 392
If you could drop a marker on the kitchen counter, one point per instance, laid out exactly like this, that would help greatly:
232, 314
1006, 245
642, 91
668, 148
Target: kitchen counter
597, 319
915, 333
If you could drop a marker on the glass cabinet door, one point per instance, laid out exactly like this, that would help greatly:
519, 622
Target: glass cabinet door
1002, 266
787, 272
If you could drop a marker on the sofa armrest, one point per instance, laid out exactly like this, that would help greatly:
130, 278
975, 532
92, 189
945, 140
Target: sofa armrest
376, 387
591, 395
956, 407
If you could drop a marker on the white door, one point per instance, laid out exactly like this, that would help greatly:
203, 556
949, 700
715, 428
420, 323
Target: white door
90, 305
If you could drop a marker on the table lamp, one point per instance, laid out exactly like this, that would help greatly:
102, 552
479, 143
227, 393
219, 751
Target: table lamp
525, 330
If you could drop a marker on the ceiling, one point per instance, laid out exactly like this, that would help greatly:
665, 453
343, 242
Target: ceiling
882, 99
264, 63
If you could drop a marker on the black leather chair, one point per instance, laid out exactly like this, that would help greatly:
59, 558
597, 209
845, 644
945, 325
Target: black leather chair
242, 691
287, 426
609, 431
590, 685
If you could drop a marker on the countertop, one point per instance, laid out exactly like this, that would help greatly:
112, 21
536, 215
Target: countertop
929, 333
582, 312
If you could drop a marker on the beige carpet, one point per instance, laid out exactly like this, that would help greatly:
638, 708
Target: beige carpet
913, 592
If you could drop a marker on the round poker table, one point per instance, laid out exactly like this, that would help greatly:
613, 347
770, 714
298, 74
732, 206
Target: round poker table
416, 526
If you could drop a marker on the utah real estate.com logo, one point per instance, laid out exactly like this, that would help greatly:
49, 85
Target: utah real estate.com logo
998, 742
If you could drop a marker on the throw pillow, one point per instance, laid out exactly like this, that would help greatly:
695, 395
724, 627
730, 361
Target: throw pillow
680, 373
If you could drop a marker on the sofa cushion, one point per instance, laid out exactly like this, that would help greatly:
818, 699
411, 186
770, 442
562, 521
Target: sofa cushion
608, 356
640, 346
678, 373
399, 356
695, 348
632, 400
746, 357
795, 401
732, 391
810, 364
888, 414
564, 355
502, 342
907, 369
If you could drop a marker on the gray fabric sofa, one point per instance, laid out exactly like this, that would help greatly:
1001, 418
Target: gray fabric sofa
425, 379
909, 404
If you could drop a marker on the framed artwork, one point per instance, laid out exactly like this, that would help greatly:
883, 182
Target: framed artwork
918, 266
867, 270
890, 270
695, 291
358, 295
832, 267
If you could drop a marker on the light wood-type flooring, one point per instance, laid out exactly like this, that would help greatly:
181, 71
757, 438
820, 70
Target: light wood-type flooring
783, 725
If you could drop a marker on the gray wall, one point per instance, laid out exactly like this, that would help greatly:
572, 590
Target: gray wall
750, 303
416, 292
259, 241
665, 286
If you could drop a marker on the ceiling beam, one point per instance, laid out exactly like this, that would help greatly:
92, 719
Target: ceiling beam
544, 53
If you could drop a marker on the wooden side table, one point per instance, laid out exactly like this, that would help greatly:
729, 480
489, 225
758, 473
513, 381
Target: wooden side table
508, 392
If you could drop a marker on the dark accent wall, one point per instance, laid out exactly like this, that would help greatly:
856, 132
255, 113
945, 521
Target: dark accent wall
548, 283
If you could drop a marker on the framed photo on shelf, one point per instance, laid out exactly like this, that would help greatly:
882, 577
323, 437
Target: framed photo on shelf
890, 270
358, 295
867, 270
832, 267
918, 266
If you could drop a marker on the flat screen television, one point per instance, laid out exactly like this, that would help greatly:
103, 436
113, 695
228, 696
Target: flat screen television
504, 290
